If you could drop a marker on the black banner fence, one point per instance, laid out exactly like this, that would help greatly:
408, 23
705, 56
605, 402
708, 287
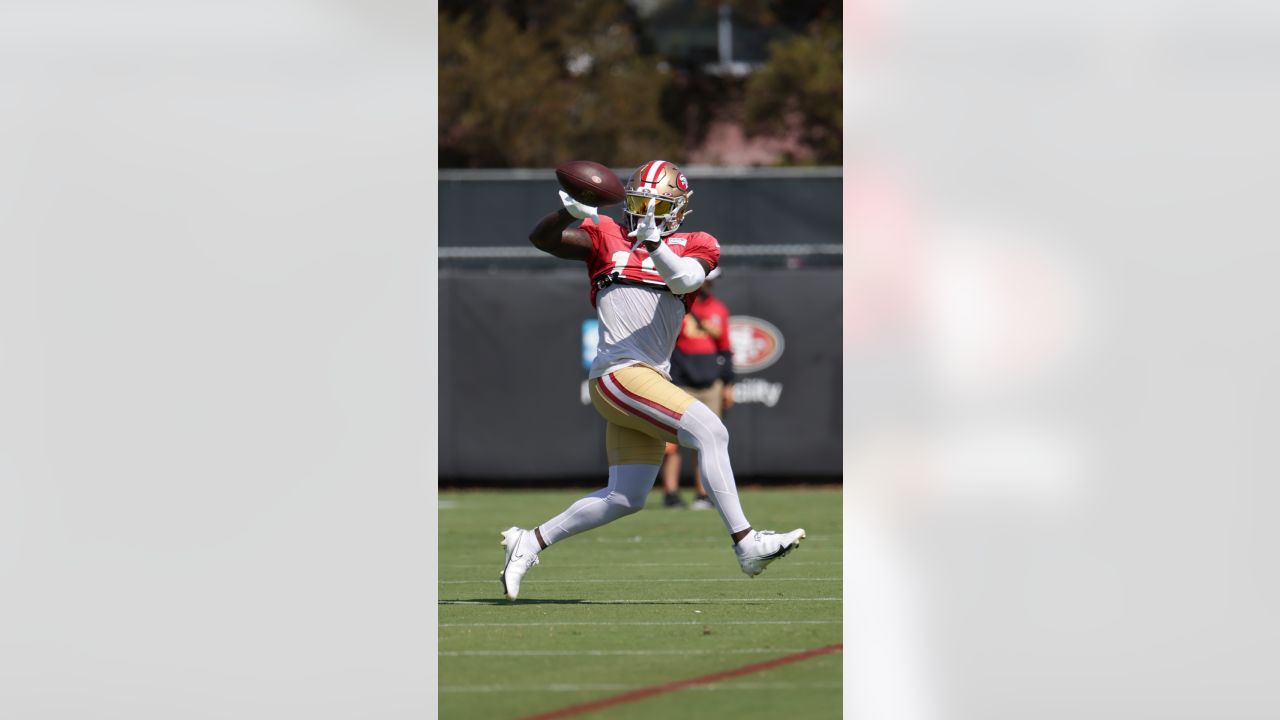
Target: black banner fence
743, 208
512, 375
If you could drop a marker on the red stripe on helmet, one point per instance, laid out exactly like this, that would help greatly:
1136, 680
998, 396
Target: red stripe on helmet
653, 172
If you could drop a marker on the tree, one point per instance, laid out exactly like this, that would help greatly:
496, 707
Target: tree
798, 93
534, 84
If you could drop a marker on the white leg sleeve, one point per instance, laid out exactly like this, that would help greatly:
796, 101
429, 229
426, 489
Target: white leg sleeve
629, 485
701, 430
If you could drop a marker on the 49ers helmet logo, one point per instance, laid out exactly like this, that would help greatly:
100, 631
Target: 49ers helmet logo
681, 181
756, 343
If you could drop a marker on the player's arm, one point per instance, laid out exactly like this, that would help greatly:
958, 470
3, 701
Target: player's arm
683, 275
553, 235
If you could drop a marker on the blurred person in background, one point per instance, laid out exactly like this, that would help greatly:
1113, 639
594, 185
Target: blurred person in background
702, 365
641, 283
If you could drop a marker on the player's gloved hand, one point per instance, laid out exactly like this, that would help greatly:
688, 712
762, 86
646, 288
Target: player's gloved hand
577, 209
646, 231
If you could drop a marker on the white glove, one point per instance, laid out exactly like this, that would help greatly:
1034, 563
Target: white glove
577, 209
647, 230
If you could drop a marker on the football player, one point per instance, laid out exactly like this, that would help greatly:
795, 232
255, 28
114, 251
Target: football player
641, 277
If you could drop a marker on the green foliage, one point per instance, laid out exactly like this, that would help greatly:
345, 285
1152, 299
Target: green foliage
548, 84
799, 92
529, 83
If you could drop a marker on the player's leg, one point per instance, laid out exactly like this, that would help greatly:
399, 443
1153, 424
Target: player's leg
634, 459
713, 397
700, 429
633, 467
700, 499
703, 431
671, 477
641, 398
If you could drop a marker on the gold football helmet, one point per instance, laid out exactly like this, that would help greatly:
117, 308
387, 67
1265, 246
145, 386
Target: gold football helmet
663, 184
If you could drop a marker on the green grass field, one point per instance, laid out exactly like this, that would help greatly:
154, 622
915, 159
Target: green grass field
653, 598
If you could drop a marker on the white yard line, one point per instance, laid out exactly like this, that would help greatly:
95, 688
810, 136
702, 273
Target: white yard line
542, 581
575, 623
664, 601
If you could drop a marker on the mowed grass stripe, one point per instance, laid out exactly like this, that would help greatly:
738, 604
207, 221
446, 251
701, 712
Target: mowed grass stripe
669, 540
614, 538
596, 566
661, 623
614, 687
656, 601
603, 653
580, 581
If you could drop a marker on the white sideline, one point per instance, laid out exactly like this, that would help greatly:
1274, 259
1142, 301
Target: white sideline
646, 622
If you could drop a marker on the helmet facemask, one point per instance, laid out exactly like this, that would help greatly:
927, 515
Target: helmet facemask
662, 184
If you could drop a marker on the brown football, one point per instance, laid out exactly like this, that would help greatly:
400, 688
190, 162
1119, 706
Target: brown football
590, 183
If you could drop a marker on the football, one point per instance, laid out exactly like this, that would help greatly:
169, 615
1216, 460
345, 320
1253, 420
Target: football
590, 183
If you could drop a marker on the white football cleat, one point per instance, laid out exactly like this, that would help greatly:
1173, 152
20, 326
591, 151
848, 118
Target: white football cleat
761, 547
522, 554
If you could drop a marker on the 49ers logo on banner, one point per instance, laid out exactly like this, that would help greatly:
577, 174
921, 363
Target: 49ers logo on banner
757, 343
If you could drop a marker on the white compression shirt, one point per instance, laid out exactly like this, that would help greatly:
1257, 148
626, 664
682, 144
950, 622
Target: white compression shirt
637, 325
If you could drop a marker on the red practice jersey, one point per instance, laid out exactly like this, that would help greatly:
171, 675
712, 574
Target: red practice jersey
706, 327
611, 253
